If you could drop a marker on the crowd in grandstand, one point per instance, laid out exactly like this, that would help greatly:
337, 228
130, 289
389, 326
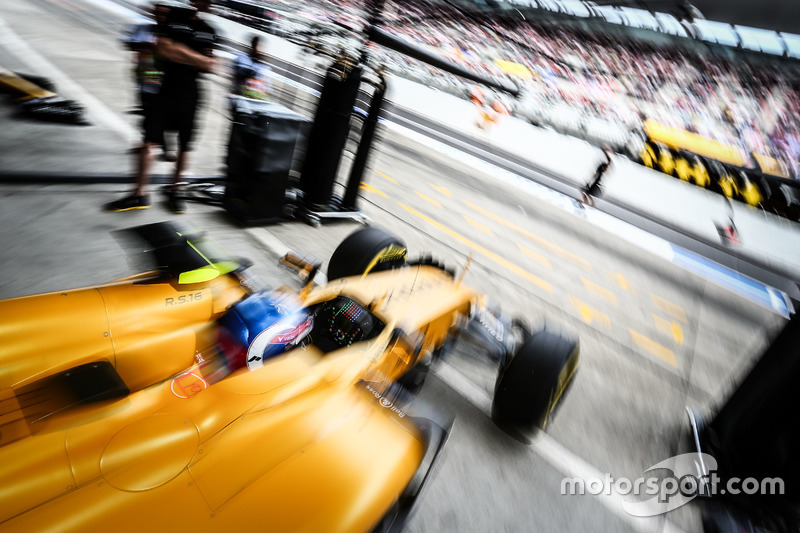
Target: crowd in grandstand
753, 106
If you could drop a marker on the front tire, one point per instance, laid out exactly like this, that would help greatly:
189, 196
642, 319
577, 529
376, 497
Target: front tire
531, 384
366, 250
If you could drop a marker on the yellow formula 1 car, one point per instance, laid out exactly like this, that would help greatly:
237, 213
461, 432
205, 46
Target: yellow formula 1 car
182, 399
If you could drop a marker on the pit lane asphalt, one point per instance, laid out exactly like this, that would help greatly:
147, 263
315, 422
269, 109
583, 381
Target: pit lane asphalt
632, 194
625, 411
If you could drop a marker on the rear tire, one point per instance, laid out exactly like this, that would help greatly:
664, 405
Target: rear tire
531, 384
366, 250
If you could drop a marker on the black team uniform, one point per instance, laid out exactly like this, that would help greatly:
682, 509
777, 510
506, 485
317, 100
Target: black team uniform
173, 108
180, 92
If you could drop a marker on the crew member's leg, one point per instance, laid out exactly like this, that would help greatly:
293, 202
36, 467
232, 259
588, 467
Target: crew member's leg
153, 137
175, 199
185, 113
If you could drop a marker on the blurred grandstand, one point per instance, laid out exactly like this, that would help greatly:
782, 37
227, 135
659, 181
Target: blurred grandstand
709, 102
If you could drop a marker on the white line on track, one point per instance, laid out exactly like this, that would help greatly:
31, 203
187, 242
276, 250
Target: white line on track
555, 454
277, 247
269, 241
97, 111
112, 7
661, 248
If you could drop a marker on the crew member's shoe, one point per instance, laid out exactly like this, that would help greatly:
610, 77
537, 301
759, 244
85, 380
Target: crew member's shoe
175, 201
128, 203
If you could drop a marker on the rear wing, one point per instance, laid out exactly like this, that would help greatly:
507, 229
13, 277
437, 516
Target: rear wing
180, 252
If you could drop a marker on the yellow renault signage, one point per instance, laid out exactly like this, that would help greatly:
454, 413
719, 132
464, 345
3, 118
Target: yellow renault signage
680, 139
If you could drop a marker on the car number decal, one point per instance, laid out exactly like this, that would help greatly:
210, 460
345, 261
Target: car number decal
183, 299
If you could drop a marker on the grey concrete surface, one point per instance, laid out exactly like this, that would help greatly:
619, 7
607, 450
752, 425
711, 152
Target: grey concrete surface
765, 239
654, 337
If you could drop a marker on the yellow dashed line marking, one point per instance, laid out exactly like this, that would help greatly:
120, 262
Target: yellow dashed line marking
597, 290
670, 327
590, 314
542, 284
477, 225
619, 280
669, 308
569, 256
442, 190
370, 188
428, 199
542, 260
654, 348
384, 176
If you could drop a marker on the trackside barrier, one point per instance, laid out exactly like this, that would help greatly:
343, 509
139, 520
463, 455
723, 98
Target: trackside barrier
755, 179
